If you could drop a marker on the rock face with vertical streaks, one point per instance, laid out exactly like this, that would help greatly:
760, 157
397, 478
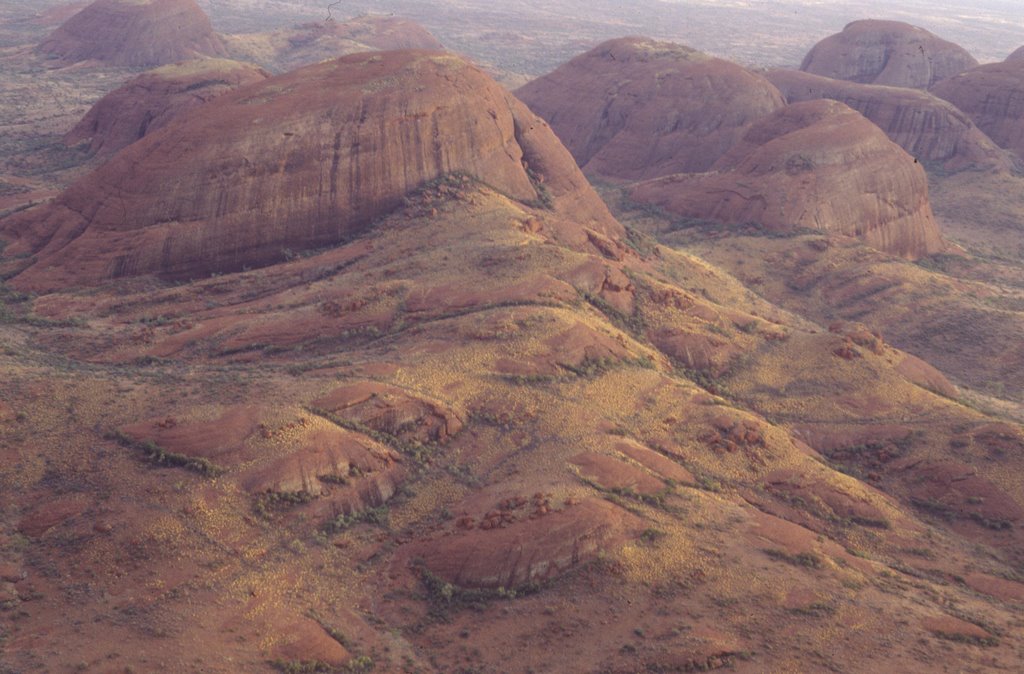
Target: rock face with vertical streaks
135, 33
298, 161
887, 52
928, 128
993, 96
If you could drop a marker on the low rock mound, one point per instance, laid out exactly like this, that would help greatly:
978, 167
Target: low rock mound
135, 33
510, 552
992, 95
930, 129
818, 165
151, 100
887, 52
393, 411
634, 108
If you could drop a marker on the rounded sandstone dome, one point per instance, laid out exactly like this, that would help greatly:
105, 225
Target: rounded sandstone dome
135, 34
634, 108
298, 161
887, 52
817, 165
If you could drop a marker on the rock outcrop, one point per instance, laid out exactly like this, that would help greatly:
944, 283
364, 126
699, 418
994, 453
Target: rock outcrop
135, 33
298, 161
930, 129
817, 164
635, 109
1016, 55
887, 52
151, 100
290, 48
993, 96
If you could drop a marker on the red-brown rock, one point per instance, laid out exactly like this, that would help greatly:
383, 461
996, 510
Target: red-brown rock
818, 165
887, 52
528, 551
634, 108
135, 33
297, 161
992, 95
151, 100
930, 129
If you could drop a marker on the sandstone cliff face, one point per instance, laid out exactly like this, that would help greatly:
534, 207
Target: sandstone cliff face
817, 164
930, 129
634, 108
887, 52
135, 33
993, 96
294, 162
290, 48
151, 100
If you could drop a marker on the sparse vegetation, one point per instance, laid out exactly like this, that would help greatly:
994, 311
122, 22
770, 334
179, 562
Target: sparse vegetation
161, 457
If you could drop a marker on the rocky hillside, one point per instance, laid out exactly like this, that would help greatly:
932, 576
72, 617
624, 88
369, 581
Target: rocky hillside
892, 53
134, 33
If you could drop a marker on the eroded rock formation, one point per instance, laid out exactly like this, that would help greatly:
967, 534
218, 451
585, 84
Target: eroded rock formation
151, 100
887, 52
634, 108
294, 162
930, 129
135, 33
817, 164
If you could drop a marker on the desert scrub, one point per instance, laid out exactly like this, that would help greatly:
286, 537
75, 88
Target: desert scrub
809, 560
375, 516
161, 457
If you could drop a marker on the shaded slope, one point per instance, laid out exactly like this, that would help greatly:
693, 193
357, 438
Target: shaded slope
892, 53
928, 128
818, 165
134, 33
634, 108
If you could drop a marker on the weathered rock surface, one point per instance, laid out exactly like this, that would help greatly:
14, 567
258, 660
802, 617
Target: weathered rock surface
634, 108
297, 161
817, 164
151, 100
135, 33
930, 129
992, 95
887, 52
290, 48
